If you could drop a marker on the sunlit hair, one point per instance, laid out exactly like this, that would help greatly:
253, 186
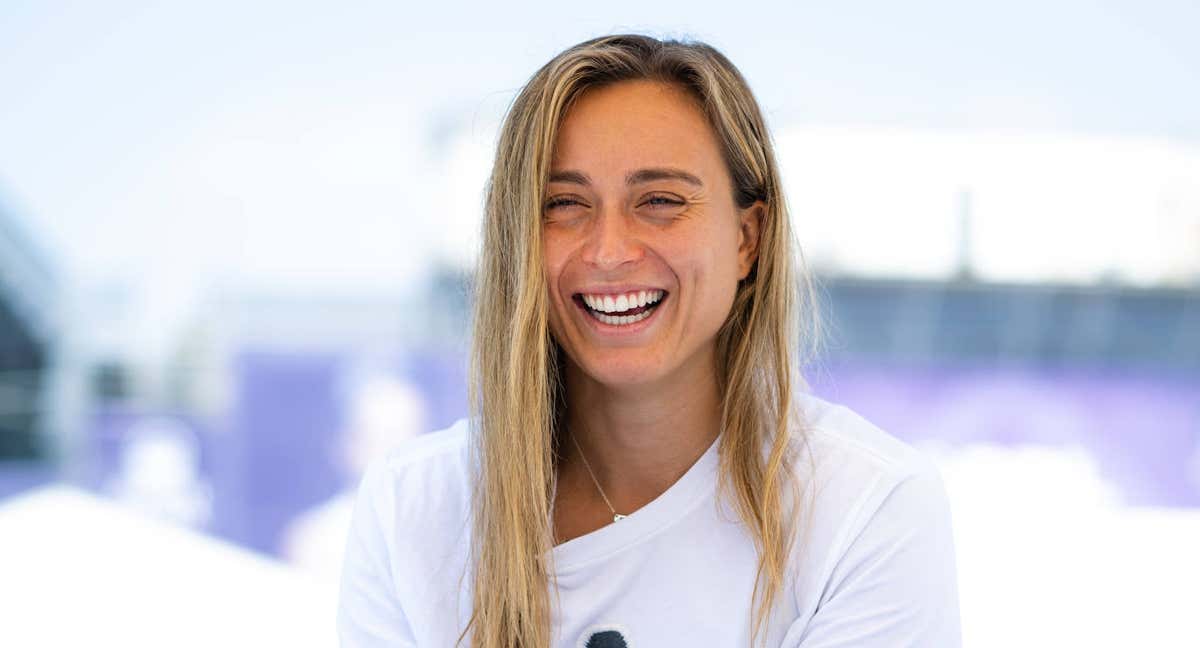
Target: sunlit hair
516, 372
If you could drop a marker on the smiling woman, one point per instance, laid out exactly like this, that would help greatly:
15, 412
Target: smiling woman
639, 199
642, 444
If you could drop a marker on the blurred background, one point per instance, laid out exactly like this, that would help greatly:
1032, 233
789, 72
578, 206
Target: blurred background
236, 240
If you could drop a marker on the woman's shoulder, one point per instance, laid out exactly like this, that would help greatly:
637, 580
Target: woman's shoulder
424, 477
854, 474
878, 539
834, 435
410, 531
431, 452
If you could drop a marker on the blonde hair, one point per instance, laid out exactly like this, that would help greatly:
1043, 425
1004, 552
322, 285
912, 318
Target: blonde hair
516, 383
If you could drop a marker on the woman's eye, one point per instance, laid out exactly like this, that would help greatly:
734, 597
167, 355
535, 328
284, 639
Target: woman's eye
560, 202
663, 201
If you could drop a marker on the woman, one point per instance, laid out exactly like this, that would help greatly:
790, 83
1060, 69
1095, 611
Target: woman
643, 468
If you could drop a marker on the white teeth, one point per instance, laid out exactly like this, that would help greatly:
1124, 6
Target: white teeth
621, 303
603, 306
621, 320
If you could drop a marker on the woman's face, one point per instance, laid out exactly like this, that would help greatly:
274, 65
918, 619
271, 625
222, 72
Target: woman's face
644, 245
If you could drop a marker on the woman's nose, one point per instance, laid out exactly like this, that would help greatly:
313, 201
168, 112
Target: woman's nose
611, 241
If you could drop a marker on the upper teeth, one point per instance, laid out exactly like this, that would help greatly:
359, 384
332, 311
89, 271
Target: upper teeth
619, 303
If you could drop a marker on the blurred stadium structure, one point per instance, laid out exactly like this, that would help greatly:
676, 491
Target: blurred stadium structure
1023, 306
28, 289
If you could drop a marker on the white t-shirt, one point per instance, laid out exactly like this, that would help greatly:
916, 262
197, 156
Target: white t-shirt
876, 568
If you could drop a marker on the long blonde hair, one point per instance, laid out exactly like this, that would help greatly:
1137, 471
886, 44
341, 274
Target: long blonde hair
516, 383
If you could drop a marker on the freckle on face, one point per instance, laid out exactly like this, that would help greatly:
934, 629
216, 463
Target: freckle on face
609, 133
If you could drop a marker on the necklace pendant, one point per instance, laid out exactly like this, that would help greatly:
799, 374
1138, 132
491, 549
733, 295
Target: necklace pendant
618, 517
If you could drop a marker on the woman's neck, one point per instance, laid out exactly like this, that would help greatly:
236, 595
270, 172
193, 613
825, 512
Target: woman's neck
639, 440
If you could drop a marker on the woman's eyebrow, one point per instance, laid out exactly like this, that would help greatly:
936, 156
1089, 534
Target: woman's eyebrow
573, 177
661, 173
632, 178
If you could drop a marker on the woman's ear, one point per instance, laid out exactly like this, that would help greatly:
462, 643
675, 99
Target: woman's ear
749, 232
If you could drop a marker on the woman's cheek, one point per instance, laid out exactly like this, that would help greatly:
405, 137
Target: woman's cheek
556, 305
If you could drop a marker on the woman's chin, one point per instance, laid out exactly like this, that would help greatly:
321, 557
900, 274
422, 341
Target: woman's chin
618, 375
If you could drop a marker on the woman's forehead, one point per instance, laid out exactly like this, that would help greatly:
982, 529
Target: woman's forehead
615, 130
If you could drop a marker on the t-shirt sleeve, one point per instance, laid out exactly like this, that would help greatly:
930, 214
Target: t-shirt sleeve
369, 613
896, 585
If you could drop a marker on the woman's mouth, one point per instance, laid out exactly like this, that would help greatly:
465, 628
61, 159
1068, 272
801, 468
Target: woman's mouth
622, 309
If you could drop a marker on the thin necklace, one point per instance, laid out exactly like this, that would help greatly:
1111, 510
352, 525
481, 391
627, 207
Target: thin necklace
616, 516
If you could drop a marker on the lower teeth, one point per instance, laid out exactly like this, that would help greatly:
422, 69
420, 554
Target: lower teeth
622, 320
